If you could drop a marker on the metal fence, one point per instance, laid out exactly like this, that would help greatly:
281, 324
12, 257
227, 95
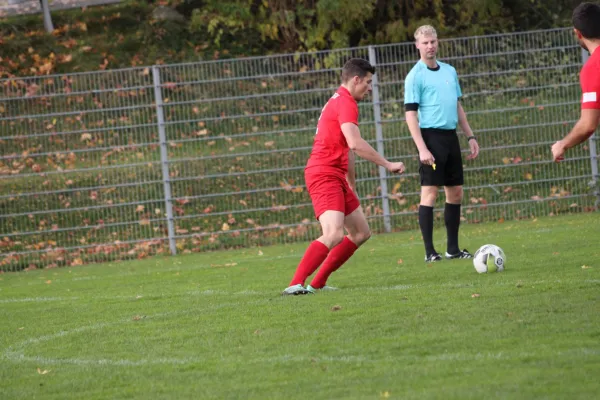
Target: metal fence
123, 164
23, 7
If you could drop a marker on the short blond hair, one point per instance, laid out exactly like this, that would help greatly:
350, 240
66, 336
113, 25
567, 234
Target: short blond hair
425, 30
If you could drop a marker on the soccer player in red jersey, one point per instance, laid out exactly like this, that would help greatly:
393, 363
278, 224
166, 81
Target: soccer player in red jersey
586, 21
331, 181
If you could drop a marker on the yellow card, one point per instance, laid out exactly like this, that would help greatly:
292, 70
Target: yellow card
433, 166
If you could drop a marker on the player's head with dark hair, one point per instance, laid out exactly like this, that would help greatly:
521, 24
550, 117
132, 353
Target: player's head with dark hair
586, 21
356, 67
357, 76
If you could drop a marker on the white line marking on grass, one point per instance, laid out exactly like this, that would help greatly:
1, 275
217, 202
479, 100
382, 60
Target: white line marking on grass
284, 359
208, 292
212, 292
125, 363
37, 299
399, 287
444, 357
307, 359
449, 357
223, 293
248, 293
16, 353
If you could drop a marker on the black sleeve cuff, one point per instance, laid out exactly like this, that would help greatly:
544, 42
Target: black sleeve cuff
411, 107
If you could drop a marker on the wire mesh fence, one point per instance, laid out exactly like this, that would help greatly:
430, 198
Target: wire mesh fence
191, 157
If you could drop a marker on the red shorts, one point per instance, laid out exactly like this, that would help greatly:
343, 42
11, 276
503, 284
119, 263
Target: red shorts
330, 192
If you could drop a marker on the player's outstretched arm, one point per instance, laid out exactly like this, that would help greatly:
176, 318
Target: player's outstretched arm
583, 129
363, 149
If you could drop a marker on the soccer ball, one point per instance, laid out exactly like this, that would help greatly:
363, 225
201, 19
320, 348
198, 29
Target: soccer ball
489, 258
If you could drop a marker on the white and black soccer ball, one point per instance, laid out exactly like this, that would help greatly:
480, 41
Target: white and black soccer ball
489, 258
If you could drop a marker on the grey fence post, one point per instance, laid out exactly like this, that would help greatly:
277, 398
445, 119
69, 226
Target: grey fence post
593, 153
380, 148
164, 157
47, 17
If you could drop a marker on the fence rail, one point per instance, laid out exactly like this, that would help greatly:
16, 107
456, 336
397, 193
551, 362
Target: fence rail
122, 164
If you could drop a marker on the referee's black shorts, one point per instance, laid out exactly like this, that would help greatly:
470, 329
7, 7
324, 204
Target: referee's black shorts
444, 146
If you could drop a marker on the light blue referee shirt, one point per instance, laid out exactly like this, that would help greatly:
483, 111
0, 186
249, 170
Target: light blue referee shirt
434, 93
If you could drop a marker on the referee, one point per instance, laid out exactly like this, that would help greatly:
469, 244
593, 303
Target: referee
431, 96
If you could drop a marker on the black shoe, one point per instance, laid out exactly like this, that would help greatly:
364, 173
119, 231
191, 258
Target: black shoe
433, 257
461, 254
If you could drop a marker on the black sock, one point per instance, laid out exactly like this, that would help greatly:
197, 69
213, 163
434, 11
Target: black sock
426, 224
452, 219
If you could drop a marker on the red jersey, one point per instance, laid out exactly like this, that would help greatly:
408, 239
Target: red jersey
330, 149
590, 82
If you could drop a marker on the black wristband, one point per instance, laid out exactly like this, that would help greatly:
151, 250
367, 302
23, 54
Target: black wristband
472, 137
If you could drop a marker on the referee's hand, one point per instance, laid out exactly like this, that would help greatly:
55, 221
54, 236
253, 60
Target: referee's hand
396, 167
474, 147
426, 157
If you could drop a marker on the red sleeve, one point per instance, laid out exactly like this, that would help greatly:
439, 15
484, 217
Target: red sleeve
590, 86
348, 111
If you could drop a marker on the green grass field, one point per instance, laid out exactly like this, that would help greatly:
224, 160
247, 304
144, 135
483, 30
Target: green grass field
214, 325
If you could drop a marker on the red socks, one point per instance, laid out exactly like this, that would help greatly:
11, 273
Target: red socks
313, 257
337, 257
